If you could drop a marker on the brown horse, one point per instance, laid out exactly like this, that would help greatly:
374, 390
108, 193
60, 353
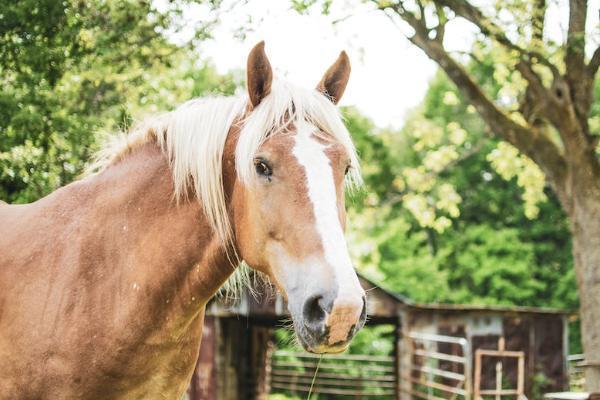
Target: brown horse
104, 282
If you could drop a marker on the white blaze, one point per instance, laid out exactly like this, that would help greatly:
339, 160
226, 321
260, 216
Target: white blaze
322, 194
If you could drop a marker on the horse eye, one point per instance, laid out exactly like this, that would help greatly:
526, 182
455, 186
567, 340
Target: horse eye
347, 169
262, 168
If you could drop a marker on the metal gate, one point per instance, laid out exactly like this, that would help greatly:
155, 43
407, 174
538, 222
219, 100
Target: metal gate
436, 367
429, 366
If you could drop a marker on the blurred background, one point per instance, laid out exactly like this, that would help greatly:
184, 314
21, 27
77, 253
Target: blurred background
462, 229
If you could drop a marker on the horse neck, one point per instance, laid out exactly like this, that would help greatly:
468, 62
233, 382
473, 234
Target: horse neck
163, 248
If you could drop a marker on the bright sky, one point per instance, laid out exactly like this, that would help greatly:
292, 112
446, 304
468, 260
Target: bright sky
389, 74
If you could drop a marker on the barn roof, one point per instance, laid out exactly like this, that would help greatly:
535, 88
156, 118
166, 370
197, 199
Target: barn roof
383, 305
406, 301
494, 307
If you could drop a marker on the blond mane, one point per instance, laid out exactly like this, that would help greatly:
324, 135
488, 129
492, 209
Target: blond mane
193, 138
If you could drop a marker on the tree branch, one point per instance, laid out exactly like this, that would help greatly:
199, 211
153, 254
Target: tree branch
537, 21
421, 11
550, 105
417, 24
471, 56
532, 143
576, 74
472, 14
575, 53
567, 102
535, 82
442, 19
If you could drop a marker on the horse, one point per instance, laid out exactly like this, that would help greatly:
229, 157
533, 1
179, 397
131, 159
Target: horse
104, 282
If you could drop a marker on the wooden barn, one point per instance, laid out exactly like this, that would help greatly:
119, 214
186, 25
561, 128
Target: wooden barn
441, 351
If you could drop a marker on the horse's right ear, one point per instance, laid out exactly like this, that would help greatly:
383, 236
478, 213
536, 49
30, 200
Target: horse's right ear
259, 74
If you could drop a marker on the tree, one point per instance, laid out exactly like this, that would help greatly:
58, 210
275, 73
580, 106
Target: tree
519, 259
548, 119
71, 70
534, 230
492, 254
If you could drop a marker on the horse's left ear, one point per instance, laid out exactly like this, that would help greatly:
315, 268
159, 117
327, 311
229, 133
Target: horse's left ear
259, 74
336, 78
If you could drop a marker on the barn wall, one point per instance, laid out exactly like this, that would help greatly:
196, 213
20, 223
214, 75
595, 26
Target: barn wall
239, 344
232, 359
261, 345
540, 336
405, 350
203, 385
550, 352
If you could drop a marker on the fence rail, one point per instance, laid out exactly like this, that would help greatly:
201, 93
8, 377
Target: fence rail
353, 376
433, 367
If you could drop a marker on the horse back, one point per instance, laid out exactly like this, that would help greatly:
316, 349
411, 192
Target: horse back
17, 228
30, 236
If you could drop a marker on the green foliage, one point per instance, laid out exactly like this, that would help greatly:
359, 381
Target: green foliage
375, 341
489, 265
207, 81
494, 253
282, 396
73, 69
539, 384
404, 262
372, 145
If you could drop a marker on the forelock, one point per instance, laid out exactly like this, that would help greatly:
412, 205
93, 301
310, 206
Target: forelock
288, 105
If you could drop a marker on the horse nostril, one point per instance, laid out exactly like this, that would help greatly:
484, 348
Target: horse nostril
313, 311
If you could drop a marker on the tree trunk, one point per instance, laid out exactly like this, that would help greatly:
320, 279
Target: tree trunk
585, 223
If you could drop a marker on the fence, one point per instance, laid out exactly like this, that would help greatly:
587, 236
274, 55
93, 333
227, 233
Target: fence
353, 376
500, 355
439, 367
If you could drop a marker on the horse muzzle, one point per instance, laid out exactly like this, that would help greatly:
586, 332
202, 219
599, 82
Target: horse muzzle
327, 325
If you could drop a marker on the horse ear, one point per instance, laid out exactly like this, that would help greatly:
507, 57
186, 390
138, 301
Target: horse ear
336, 78
259, 74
